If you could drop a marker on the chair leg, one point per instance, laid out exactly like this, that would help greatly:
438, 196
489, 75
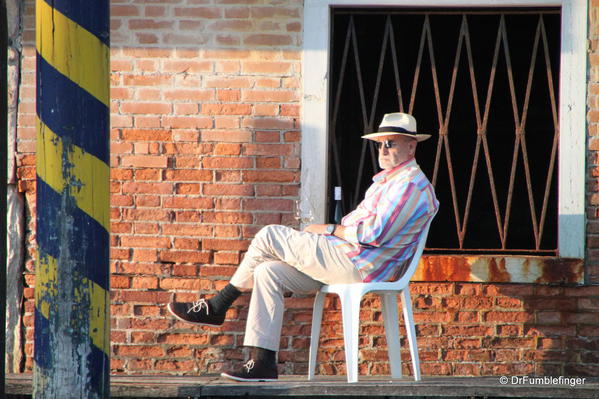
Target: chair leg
406, 303
315, 333
350, 310
391, 320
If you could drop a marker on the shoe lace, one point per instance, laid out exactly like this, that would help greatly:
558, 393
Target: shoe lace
249, 365
199, 305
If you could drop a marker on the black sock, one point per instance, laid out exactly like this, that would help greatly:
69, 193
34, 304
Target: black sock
221, 302
265, 356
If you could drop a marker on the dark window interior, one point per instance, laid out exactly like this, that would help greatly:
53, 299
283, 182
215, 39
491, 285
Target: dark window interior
374, 59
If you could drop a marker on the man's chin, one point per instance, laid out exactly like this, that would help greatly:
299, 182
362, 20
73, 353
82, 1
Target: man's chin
385, 165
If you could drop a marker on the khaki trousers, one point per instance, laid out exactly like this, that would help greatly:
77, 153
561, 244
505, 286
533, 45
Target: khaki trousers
282, 259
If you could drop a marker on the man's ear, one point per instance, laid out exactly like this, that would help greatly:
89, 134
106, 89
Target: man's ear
412, 147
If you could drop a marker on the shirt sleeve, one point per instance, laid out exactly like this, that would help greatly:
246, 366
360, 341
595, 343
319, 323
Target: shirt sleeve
396, 207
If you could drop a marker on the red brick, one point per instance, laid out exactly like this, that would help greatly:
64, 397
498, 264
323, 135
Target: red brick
226, 245
139, 351
268, 40
269, 149
145, 242
509, 317
186, 243
176, 365
231, 26
145, 255
186, 66
187, 148
119, 281
151, 297
187, 188
270, 176
187, 202
187, 216
187, 122
146, 135
274, 12
192, 284
185, 257
147, 201
231, 135
227, 149
226, 109
124, 11
228, 189
180, 229
267, 67
268, 204
146, 80
228, 95
188, 175
228, 162
233, 204
144, 161
185, 270
227, 82
198, 12
144, 282
279, 96
147, 188
148, 174
146, 214
225, 258
146, 228
188, 95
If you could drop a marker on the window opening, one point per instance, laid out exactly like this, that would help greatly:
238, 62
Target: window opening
484, 83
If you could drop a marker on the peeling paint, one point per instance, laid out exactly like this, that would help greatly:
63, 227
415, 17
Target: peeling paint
500, 269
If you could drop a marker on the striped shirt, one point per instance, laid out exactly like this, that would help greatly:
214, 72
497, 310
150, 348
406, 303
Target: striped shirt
382, 232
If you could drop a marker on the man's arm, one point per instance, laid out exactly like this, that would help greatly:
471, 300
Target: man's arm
322, 229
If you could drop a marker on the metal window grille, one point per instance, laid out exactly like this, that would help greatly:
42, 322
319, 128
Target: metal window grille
484, 83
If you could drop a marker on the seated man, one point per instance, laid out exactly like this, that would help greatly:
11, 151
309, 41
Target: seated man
375, 242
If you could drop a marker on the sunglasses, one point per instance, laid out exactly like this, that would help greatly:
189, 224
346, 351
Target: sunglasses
386, 143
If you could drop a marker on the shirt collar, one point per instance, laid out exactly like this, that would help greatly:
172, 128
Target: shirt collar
384, 175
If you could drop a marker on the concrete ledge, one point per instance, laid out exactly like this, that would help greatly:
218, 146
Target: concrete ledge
20, 385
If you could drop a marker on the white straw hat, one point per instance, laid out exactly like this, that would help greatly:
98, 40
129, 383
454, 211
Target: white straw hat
397, 123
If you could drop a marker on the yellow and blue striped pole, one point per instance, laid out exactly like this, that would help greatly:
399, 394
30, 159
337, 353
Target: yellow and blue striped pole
72, 314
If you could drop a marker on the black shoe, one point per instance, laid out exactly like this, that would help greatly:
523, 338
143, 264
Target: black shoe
254, 371
197, 312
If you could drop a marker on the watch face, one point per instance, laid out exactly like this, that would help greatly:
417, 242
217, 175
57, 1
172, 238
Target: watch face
330, 228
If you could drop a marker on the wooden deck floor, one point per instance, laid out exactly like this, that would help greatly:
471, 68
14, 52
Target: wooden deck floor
19, 386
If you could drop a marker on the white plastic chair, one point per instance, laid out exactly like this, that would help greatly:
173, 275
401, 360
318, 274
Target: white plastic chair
350, 296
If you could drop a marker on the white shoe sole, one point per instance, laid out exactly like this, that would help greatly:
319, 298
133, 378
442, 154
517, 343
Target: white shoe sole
234, 378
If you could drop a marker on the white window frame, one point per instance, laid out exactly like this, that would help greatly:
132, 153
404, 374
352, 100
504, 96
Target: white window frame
572, 110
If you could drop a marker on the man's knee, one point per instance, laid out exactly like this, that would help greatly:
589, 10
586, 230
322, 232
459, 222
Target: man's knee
265, 272
266, 234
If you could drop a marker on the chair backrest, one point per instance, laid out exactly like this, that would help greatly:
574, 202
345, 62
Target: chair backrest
405, 279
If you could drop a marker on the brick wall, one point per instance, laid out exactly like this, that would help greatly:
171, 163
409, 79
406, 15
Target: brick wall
205, 147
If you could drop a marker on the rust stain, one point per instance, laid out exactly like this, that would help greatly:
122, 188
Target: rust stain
500, 269
565, 270
497, 271
444, 268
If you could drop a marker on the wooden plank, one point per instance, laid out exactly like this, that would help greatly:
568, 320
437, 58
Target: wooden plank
326, 386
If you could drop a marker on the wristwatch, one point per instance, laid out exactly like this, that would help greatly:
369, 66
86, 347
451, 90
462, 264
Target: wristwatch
331, 229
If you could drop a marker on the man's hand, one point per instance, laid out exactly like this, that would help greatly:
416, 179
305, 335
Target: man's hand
316, 228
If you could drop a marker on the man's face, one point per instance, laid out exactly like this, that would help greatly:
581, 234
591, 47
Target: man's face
394, 150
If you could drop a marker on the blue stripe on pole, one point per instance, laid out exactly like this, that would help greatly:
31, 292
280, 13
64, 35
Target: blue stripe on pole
88, 240
99, 363
91, 15
43, 350
70, 112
